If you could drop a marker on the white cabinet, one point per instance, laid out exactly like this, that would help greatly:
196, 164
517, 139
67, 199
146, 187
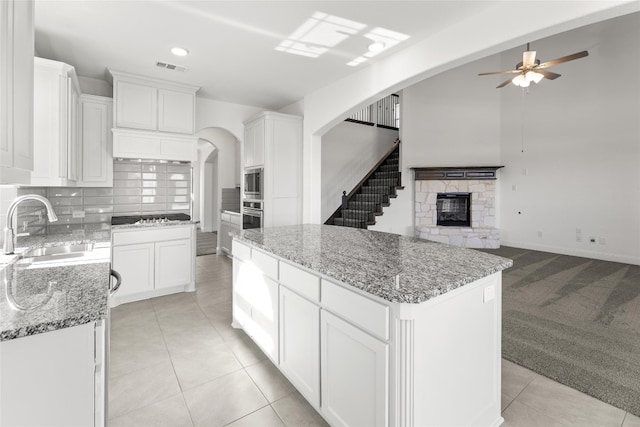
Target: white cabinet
154, 261
54, 378
172, 263
274, 141
152, 104
354, 368
300, 344
254, 144
229, 221
96, 159
55, 131
130, 144
135, 263
255, 297
16, 91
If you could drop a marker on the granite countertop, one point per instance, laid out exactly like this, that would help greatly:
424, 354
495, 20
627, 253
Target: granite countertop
396, 268
54, 295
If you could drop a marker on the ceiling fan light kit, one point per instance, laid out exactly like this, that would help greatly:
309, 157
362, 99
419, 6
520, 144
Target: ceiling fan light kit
531, 70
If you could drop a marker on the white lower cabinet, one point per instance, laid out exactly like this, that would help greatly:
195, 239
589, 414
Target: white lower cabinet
255, 306
300, 344
54, 378
135, 263
153, 262
354, 368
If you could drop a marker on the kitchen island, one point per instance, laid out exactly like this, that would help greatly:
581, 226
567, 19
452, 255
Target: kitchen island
373, 328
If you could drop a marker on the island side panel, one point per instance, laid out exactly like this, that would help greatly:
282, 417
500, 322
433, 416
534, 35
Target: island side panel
450, 346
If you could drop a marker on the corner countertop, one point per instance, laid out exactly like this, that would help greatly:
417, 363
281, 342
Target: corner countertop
78, 290
396, 268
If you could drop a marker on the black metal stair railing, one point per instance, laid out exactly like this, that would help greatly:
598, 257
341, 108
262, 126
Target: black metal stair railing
367, 199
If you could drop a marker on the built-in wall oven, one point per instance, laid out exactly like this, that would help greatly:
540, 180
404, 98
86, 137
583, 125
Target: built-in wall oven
252, 214
253, 183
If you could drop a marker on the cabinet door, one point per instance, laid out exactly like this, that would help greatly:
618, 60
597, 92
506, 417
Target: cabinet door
72, 132
173, 263
95, 142
225, 239
175, 111
136, 106
249, 137
53, 372
135, 265
354, 368
16, 91
300, 344
254, 144
263, 327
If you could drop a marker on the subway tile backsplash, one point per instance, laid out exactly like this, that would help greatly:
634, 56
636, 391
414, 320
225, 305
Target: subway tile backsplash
149, 187
77, 208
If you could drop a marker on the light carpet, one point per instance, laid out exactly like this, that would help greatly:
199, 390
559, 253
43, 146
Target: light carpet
574, 320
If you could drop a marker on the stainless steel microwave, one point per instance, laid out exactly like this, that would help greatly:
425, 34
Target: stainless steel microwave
253, 183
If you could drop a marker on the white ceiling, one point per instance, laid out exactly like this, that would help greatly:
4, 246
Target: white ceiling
232, 43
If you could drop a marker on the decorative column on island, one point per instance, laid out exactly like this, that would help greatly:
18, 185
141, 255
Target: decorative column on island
373, 328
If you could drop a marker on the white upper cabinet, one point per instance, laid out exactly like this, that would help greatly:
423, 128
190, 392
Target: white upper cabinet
96, 159
55, 125
154, 105
137, 106
16, 91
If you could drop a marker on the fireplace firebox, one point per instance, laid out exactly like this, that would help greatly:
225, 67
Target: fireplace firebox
454, 209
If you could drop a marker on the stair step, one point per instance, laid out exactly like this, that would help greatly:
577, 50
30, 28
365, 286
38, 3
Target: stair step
381, 182
365, 206
386, 174
346, 222
388, 168
358, 215
370, 189
377, 198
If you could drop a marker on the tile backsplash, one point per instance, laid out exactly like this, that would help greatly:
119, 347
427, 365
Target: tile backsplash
151, 187
77, 209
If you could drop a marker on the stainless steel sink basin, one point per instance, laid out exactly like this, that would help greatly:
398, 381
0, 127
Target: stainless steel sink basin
54, 253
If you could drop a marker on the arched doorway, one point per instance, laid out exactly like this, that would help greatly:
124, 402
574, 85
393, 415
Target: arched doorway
217, 167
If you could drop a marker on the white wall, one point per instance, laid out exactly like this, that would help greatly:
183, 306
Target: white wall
581, 140
225, 115
97, 87
349, 151
502, 25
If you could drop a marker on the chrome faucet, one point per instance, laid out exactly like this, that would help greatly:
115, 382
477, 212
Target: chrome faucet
9, 238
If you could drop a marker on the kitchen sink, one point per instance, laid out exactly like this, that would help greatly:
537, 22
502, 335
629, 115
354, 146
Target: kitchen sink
55, 253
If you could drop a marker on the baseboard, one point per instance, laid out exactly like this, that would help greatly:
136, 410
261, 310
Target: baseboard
572, 252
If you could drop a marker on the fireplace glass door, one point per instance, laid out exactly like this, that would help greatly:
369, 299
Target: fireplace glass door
454, 209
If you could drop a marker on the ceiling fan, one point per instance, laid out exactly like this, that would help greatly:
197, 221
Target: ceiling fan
531, 70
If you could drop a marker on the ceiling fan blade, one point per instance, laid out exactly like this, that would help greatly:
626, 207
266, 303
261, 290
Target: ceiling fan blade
548, 74
563, 59
500, 72
528, 58
506, 82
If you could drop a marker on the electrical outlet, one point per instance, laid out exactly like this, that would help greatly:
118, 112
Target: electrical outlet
514, 187
525, 171
78, 214
578, 235
539, 233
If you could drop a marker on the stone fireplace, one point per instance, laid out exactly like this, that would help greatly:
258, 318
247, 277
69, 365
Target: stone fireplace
457, 206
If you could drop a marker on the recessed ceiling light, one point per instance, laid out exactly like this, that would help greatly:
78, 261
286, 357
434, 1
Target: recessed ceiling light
376, 47
179, 51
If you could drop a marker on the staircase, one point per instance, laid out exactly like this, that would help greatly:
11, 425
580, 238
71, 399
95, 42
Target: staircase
361, 206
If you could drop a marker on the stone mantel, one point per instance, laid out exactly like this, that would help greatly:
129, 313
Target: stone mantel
456, 172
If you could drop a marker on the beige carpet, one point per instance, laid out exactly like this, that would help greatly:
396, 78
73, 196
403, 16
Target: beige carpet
575, 320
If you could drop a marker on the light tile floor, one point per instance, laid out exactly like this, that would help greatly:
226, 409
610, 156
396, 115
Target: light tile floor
176, 361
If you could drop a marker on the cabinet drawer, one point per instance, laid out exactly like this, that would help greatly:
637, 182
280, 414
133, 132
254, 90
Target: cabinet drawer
150, 235
368, 314
241, 251
265, 263
300, 281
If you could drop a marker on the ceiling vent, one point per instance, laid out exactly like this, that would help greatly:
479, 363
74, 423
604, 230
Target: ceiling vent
172, 67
